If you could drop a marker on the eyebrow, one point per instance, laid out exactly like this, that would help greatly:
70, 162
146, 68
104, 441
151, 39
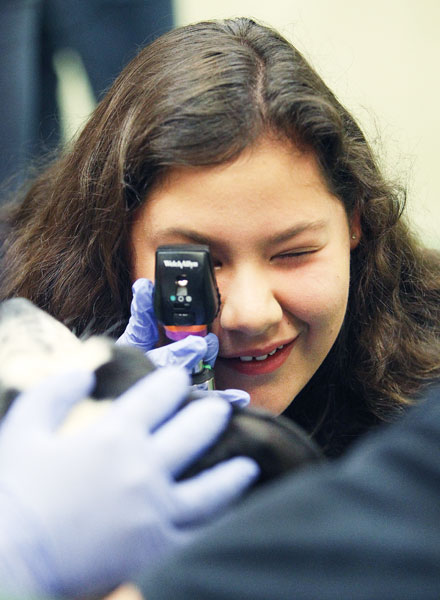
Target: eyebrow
278, 238
297, 229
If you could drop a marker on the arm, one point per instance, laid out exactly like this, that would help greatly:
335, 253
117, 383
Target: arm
366, 526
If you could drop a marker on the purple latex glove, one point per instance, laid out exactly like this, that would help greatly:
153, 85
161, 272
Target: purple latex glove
141, 330
83, 511
142, 333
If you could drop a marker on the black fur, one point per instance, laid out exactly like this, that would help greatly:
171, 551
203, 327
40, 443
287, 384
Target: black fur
276, 443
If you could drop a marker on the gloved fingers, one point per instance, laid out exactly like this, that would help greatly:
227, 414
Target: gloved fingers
236, 397
186, 353
214, 489
47, 405
211, 354
194, 429
152, 399
141, 330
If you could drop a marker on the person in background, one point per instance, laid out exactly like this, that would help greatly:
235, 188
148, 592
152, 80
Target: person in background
105, 34
221, 133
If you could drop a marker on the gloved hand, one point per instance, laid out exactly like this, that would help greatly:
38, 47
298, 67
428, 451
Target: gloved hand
81, 512
142, 332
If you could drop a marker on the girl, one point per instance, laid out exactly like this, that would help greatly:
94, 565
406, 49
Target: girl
221, 133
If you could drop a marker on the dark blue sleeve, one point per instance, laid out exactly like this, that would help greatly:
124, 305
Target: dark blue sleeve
105, 33
364, 527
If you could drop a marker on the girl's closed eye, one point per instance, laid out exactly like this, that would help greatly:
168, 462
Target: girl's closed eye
295, 255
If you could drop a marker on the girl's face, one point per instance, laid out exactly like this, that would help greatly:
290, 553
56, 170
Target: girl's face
280, 242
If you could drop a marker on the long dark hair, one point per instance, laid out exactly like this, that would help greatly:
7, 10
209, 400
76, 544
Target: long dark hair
199, 95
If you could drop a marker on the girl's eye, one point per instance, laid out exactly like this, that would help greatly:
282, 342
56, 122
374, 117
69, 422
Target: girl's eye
217, 264
294, 255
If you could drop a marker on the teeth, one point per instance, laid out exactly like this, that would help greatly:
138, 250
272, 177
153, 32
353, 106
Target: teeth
262, 357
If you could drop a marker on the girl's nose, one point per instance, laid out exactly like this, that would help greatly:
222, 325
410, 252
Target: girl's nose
249, 305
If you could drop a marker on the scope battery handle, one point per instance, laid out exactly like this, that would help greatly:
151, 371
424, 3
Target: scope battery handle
186, 298
186, 292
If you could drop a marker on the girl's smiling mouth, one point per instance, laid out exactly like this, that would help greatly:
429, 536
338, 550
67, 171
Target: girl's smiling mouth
258, 362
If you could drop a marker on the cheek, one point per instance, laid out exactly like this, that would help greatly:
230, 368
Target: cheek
318, 298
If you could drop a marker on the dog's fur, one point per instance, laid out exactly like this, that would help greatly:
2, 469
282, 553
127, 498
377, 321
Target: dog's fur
33, 346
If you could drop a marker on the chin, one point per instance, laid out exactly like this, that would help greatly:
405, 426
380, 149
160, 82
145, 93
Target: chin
272, 402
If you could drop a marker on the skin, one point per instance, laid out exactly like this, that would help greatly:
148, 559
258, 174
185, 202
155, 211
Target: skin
280, 243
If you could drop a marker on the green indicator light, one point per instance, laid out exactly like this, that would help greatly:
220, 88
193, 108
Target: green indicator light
173, 298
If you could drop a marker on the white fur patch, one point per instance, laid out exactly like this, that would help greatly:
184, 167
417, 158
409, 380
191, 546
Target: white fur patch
34, 346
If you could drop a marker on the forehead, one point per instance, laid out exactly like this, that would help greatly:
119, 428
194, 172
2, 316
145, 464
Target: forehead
270, 183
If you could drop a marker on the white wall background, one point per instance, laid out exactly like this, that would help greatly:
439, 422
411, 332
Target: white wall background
381, 57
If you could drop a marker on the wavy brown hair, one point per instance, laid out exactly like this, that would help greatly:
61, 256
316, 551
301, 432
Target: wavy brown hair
199, 95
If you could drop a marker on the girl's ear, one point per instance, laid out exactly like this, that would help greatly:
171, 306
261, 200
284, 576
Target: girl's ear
355, 230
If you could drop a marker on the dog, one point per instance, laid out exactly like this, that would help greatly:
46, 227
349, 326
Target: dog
34, 345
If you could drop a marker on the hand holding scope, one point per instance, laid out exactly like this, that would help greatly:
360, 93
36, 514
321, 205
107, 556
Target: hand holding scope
186, 297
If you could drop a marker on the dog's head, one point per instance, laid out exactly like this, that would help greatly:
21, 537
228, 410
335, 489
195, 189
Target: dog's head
33, 346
